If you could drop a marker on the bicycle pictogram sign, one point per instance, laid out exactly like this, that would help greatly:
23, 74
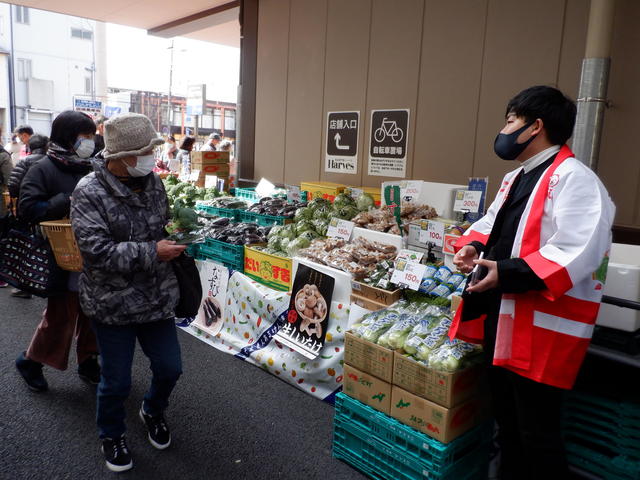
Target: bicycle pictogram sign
388, 128
388, 142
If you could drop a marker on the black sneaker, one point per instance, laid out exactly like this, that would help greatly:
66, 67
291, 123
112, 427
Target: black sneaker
159, 434
20, 293
89, 370
116, 454
32, 373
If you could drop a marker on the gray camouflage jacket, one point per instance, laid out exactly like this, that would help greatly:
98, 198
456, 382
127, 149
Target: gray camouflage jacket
122, 281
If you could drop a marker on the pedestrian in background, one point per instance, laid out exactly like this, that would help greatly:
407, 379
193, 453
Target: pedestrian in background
212, 143
127, 286
23, 134
99, 136
45, 194
184, 154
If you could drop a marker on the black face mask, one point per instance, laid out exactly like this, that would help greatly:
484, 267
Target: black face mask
506, 146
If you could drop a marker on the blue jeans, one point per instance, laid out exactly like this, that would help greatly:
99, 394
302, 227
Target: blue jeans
159, 343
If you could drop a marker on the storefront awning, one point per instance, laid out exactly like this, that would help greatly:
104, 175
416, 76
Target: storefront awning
214, 21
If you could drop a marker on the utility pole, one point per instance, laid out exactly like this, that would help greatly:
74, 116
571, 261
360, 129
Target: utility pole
12, 75
169, 109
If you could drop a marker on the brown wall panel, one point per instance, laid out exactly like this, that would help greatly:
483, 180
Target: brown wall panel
445, 120
305, 88
574, 36
271, 89
394, 65
345, 76
619, 163
522, 48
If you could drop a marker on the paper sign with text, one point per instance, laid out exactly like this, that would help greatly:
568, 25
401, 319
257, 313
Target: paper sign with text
467, 201
194, 175
433, 234
340, 228
408, 273
214, 280
411, 190
410, 255
210, 181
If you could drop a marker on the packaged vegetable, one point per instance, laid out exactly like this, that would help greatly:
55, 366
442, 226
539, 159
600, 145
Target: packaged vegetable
453, 355
435, 338
396, 335
442, 275
365, 202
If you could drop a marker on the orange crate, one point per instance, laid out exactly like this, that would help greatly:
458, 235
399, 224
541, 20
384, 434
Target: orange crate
63, 243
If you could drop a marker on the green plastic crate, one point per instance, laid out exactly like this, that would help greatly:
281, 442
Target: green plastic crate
263, 220
231, 256
411, 441
232, 213
609, 467
247, 194
391, 462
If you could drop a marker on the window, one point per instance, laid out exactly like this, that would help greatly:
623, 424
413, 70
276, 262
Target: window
217, 119
81, 33
24, 68
229, 119
22, 15
87, 85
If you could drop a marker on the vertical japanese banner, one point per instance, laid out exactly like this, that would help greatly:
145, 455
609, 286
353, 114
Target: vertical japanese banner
214, 280
308, 316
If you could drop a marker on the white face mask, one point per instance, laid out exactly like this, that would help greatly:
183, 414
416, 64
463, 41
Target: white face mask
84, 147
144, 166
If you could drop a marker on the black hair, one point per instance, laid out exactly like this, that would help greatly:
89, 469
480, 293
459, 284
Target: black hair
172, 138
187, 143
38, 142
23, 129
554, 108
68, 125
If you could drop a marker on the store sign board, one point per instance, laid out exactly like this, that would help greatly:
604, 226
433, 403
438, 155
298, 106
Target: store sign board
341, 154
309, 312
196, 98
433, 233
388, 143
467, 201
408, 273
340, 228
90, 107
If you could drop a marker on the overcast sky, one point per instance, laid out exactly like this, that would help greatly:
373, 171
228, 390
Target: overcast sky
139, 61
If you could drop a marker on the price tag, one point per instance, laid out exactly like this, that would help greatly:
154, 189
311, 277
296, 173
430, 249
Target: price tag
194, 175
293, 193
210, 181
340, 228
410, 255
408, 273
265, 188
433, 234
356, 192
411, 190
467, 201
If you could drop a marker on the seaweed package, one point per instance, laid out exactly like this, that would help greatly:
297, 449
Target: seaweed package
435, 338
395, 337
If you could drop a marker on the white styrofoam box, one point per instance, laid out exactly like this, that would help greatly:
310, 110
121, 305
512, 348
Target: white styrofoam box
356, 313
623, 281
342, 286
381, 237
437, 195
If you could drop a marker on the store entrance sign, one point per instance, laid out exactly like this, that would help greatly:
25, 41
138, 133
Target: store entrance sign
90, 107
341, 153
388, 143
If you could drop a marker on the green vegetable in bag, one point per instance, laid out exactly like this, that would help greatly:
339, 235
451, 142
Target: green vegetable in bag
365, 202
303, 226
294, 245
343, 200
304, 213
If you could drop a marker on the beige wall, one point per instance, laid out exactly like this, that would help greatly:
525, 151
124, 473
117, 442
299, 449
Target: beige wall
454, 64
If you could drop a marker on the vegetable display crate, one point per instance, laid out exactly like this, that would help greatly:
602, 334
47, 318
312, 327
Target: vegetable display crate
604, 411
270, 270
63, 243
412, 442
326, 190
380, 460
250, 195
231, 256
608, 467
262, 220
232, 213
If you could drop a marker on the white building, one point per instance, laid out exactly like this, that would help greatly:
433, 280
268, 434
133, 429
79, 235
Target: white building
53, 60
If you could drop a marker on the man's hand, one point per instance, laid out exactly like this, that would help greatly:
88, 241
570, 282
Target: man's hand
463, 260
489, 281
168, 250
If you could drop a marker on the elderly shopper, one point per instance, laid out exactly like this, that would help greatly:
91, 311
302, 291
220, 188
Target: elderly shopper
45, 193
128, 287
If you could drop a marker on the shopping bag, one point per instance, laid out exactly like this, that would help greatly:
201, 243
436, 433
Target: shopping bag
27, 263
188, 277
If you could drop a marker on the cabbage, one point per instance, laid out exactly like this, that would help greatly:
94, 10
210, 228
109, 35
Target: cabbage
346, 213
304, 213
288, 231
284, 243
365, 202
318, 203
310, 235
274, 232
322, 213
321, 226
343, 200
303, 226
294, 245
274, 243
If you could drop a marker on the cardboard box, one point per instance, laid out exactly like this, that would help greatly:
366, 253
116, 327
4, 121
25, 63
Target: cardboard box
378, 295
209, 157
455, 302
443, 424
368, 357
326, 190
446, 389
219, 169
367, 303
368, 389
